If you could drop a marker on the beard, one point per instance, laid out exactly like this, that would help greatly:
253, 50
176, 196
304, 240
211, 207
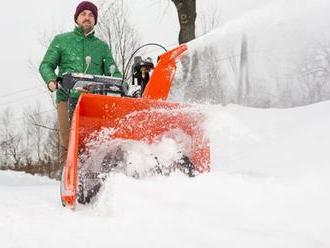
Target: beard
86, 27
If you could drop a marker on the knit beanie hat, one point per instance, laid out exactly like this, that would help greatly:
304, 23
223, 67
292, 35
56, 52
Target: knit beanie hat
86, 5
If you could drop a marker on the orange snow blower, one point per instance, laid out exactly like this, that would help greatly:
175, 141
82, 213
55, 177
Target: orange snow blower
143, 119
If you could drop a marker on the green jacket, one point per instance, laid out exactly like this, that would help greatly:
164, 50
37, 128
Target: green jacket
68, 52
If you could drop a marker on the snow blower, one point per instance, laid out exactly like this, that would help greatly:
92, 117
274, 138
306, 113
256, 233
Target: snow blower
143, 116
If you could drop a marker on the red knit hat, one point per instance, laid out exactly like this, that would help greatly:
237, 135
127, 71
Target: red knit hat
85, 5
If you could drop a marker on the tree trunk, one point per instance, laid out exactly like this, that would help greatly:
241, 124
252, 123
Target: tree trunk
187, 16
243, 83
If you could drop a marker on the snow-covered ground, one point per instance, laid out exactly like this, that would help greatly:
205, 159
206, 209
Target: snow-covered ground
269, 187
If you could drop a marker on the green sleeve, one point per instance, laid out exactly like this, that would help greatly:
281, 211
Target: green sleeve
108, 61
50, 61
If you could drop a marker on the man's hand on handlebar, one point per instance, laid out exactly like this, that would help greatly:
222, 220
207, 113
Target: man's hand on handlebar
52, 86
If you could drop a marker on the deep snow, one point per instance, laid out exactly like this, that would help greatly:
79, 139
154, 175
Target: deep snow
269, 187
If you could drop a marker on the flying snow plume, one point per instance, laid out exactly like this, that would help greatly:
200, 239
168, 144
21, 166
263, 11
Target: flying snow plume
275, 56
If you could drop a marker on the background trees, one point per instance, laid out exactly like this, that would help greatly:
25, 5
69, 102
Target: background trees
114, 28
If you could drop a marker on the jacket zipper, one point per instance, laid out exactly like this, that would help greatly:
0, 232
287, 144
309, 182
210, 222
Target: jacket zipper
84, 60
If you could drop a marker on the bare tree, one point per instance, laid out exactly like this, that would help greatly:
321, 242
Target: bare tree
114, 27
29, 146
35, 119
314, 72
52, 141
243, 81
14, 148
5, 123
10, 141
208, 19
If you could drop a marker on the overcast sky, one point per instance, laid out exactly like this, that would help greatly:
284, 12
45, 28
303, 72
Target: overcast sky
25, 23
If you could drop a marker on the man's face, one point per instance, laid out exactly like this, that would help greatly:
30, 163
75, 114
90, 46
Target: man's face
86, 21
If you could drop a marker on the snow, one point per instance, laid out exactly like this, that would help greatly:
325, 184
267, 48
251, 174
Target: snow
284, 39
139, 155
269, 187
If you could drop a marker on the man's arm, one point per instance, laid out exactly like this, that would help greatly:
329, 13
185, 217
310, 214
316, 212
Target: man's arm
109, 61
49, 63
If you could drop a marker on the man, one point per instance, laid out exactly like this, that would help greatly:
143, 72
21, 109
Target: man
68, 53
